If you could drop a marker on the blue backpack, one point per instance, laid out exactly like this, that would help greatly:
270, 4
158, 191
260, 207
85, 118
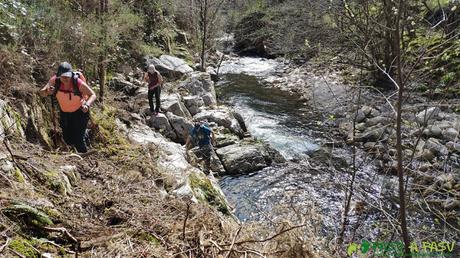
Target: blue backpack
201, 135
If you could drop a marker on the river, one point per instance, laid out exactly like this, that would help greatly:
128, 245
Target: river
296, 188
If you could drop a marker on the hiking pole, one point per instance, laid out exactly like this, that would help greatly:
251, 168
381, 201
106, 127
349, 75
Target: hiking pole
53, 117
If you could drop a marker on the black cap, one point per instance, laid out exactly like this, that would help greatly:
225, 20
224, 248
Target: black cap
64, 69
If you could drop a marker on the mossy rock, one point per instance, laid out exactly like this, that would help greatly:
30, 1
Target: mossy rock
28, 215
58, 182
146, 236
19, 176
204, 190
24, 247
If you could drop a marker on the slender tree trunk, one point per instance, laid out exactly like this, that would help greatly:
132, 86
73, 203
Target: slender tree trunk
102, 68
400, 81
204, 31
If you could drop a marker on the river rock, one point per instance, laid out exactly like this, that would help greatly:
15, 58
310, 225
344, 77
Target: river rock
222, 117
361, 127
433, 131
366, 110
453, 146
244, 157
172, 103
427, 115
194, 104
226, 139
325, 156
373, 134
436, 147
240, 120
169, 66
359, 116
161, 123
378, 120
181, 126
450, 134
427, 155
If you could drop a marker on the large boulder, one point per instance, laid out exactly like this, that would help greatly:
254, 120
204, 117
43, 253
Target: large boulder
169, 66
194, 104
161, 123
120, 84
200, 84
180, 125
427, 115
241, 159
172, 103
222, 117
247, 156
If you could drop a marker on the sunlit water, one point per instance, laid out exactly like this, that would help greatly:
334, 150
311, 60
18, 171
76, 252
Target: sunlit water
284, 121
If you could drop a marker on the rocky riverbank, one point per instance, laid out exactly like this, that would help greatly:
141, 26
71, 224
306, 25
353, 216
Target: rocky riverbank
363, 116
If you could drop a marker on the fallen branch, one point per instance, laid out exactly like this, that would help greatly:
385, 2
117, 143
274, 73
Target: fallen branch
262, 240
5, 245
58, 246
98, 241
233, 242
185, 221
16, 253
64, 231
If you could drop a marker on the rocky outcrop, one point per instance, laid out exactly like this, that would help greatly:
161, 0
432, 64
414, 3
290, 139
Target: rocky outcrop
161, 123
248, 39
181, 126
173, 103
194, 104
169, 66
200, 84
222, 117
247, 156
121, 83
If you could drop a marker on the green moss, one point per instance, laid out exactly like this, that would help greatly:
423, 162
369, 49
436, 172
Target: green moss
28, 215
19, 176
146, 236
204, 190
23, 246
57, 182
108, 129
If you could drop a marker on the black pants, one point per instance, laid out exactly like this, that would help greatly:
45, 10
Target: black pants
157, 92
204, 153
73, 125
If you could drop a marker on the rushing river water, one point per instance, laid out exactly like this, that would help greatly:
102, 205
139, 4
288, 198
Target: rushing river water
283, 121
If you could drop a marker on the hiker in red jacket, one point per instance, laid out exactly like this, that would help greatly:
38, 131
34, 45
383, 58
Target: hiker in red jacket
154, 80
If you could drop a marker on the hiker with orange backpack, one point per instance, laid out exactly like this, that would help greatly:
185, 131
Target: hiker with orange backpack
75, 98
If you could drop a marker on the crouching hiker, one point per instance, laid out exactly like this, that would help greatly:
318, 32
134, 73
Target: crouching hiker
75, 98
204, 137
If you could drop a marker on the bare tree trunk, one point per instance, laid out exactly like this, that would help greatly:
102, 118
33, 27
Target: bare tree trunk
400, 82
102, 68
204, 30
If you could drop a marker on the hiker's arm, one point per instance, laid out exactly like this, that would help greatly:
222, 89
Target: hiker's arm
146, 77
213, 139
188, 143
86, 90
160, 79
47, 90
